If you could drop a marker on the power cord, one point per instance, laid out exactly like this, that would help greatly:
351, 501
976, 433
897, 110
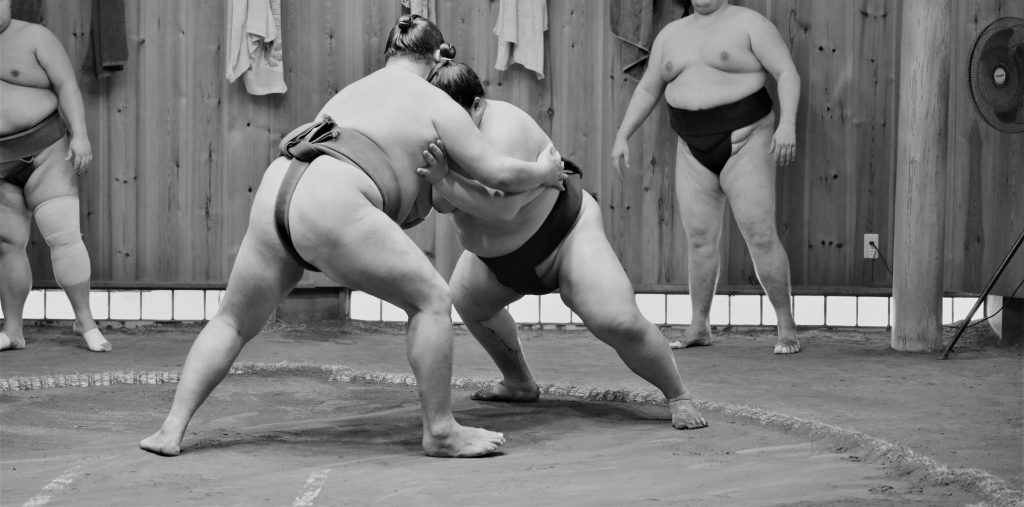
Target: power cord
1014, 293
886, 264
880, 256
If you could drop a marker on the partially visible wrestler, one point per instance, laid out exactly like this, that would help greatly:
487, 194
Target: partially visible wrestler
340, 213
711, 66
533, 243
39, 168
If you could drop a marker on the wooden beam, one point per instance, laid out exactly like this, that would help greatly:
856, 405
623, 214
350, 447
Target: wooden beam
921, 161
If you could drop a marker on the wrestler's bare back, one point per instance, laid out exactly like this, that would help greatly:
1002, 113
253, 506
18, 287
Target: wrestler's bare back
708, 61
26, 97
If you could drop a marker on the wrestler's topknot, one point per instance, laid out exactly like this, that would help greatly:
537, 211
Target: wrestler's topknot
413, 36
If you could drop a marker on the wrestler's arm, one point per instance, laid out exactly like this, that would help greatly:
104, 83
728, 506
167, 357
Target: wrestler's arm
55, 62
771, 51
455, 191
464, 143
645, 97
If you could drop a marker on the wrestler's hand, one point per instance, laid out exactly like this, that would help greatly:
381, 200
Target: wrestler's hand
551, 158
783, 148
437, 165
80, 153
620, 155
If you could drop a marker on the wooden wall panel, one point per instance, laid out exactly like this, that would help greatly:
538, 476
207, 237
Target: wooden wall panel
985, 191
179, 151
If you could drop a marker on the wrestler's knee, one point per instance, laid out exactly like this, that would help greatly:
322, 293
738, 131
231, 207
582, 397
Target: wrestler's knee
58, 223
623, 326
762, 238
12, 241
431, 298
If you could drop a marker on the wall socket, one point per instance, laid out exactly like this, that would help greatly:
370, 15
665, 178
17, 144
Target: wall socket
869, 251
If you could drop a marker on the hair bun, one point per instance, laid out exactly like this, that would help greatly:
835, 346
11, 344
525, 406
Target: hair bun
447, 51
404, 21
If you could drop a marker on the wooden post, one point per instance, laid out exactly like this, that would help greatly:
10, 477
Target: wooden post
921, 160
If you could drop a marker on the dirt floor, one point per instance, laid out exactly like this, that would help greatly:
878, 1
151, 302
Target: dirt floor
845, 422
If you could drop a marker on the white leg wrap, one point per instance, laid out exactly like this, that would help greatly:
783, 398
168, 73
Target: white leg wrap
59, 224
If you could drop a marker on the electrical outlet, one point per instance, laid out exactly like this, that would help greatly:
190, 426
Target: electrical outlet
869, 251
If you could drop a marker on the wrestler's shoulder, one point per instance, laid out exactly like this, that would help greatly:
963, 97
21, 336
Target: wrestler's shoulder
25, 31
746, 15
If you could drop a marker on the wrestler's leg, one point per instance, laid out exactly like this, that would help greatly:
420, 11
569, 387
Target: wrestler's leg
371, 253
52, 192
701, 206
260, 278
594, 285
15, 271
749, 182
481, 300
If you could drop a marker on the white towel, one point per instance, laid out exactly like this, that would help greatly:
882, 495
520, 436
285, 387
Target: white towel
254, 45
520, 29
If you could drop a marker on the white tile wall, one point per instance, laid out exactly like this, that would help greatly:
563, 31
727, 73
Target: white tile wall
873, 311
125, 305
652, 306
58, 306
841, 311
679, 310
189, 305
526, 310
392, 313
745, 310
553, 310
719, 315
672, 309
809, 310
157, 305
364, 306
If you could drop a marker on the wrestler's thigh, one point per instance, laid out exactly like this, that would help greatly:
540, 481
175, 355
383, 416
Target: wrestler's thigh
748, 179
591, 279
259, 280
369, 252
14, 215
476, 292
53, 177
699, 195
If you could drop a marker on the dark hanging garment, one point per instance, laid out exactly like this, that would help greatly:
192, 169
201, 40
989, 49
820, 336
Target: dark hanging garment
109, 49
28, 10
632, 23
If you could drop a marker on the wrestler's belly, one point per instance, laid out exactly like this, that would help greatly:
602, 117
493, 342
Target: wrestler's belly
706, 87
22, 107
492, 238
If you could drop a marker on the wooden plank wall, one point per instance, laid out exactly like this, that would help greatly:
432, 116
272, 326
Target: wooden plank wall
179, 150
985, 192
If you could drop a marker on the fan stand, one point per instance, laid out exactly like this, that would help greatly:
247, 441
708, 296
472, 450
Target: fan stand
983, 295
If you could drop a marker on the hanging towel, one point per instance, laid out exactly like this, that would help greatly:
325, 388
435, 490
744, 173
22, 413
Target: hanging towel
28, 10
520, 29
425, 8
632, 23
254, 46
108, 51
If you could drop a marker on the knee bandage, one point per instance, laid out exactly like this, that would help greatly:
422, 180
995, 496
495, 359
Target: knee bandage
60, 226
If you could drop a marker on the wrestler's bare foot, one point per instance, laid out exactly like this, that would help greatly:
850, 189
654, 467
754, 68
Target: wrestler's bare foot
696, 335
509, 392
787, 344
461, 442
163, 443
11, 342
685, 416
93, 338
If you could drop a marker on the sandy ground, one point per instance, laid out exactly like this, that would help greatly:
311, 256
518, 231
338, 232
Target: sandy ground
808, 429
